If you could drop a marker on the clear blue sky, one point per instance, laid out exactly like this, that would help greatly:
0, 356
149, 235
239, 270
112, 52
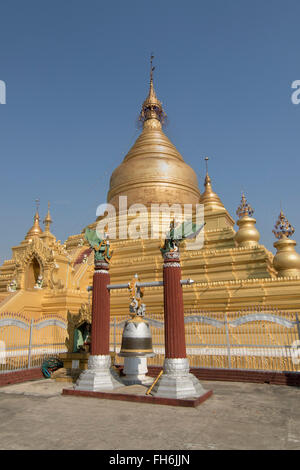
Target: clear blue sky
76, 75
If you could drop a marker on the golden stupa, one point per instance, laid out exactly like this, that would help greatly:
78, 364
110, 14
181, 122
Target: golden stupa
153, 170
231, 271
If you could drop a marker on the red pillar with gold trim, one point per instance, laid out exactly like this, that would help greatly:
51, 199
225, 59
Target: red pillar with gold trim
99, 375
173, 307
176, 380
100, 310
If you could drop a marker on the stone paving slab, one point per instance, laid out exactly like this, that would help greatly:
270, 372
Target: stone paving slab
136, 389
34, 415
38, 388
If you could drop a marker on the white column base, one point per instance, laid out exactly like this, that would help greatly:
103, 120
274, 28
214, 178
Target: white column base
135, 370
177, 381
99, 377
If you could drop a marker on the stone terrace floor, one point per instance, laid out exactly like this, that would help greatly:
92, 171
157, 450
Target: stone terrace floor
34, 415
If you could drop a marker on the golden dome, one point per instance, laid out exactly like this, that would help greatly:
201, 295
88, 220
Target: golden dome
153, 171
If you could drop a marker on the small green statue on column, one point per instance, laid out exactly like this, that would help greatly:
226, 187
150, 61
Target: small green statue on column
101, 247
177, 234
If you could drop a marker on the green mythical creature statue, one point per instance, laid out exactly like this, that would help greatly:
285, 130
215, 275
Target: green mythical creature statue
178, 233
100, 246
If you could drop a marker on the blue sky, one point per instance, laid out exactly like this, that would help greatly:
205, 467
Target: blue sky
77, 72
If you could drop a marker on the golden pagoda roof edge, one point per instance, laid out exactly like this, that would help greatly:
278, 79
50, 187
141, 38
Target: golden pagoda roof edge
247, 281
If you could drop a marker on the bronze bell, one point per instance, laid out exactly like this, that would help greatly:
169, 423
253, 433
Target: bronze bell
136, 338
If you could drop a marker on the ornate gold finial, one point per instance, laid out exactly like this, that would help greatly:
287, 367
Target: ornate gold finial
282, 227
287, 260
35, 229
152, 107
244, 208
47, 221
247, 234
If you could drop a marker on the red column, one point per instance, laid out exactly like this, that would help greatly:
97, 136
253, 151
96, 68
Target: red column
100, 310
173, 307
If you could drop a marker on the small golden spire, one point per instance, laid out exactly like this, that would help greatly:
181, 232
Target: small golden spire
287, 260
47, 221
35, 229
209, 198
282, 227
244, 208
247, 234
207, 181
152, 107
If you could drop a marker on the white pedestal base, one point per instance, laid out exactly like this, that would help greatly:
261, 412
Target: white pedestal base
177, 381
99, 376
135, 370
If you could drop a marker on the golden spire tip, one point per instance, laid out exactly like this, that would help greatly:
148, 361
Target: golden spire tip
282, 227
152, 107
244, 208
47, 221
37, 204
206, 164
207, 177
151, 68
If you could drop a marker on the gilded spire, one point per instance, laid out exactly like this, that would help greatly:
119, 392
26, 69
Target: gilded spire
152, 107
244, 208
47, 221
35, 229
287, 260
207, 181
153, 171
209, 198
282, 227
247, 235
